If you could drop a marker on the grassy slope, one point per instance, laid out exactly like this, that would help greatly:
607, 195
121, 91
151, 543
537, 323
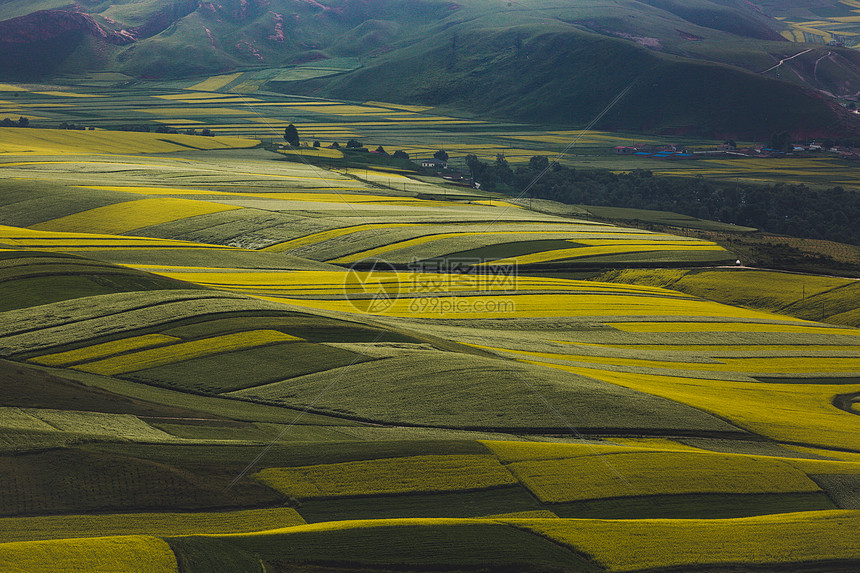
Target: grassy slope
462, 391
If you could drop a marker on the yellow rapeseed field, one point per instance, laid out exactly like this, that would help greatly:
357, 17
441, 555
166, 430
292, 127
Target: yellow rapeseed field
330, 234
14, 141
497, 203
195, 97
663, 444
547, 305
156, 190
626, 545
214, 83
655, 473
508, 451
97, 351
314, 152
158, 524
184, 351
399, 245
129, 554
755, 365
787, 412
389, 476
415, 108
189, 110
621, 248
714, 349
342, 109
313, 284
672, 326
66, 94
130, 215
57, 241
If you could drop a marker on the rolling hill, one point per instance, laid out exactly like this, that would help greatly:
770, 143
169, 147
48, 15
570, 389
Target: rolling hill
221, 353
196, 376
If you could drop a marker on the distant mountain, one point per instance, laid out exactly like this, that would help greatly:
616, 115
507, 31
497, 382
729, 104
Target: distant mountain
715, 67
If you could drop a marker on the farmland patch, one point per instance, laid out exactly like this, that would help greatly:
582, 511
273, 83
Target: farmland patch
389, 476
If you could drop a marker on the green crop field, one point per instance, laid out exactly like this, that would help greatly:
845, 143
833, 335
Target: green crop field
219, 354
395, 475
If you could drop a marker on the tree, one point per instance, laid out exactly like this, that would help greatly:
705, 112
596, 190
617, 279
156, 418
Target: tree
7, 122
291, 135
441, 155
335, 145
781, 141
316, 143
400, 154
538, 163
381, 150
190, 131
207, 132
353, 144
474, 164
23, 122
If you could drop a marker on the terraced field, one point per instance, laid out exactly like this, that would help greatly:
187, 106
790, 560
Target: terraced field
222, 360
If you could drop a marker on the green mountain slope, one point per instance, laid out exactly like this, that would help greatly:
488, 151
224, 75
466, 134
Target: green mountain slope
708, 66
558, 76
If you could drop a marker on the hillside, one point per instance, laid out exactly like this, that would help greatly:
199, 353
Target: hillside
224, 352
216, 359
695, 66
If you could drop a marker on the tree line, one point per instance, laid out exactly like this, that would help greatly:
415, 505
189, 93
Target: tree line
788, 209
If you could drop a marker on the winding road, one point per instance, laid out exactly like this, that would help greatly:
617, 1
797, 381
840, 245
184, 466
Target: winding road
782, 61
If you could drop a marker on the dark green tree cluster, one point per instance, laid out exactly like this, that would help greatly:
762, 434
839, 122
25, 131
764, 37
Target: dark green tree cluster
788, 209
8, 122
496, 176
139, 127
781, 142
291, 135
